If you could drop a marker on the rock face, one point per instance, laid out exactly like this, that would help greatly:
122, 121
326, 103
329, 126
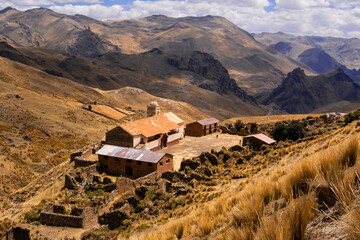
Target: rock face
87, 44
208, 67
299, 93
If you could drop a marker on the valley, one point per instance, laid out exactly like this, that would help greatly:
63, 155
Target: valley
175, 128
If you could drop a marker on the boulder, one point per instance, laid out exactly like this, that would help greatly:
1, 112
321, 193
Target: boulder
113, 219
196, 176
236, 148
203, 170
141, 192
107, 180
224, 129
210, 157
109, 187
189, 163
126, 209
226, 157
70, 182
18, 233
172, 176
132, 201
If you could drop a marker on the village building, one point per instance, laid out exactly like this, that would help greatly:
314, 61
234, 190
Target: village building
203, 127
155, 132
133, 162
257, 140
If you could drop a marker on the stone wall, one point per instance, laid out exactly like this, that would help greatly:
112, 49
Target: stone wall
83, 218
83, 163
57, 219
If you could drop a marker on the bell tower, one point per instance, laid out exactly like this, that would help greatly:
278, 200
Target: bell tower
153, 109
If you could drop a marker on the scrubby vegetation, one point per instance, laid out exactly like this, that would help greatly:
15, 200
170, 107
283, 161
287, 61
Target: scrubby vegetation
352, 116
293, 131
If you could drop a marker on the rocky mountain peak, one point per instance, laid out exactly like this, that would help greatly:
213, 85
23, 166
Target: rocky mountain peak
7, 9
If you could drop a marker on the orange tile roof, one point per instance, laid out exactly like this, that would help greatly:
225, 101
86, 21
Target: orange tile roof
151, 126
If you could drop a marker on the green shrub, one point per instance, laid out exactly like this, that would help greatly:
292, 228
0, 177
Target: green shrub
32, 216
352, 116
294, 130
239, 125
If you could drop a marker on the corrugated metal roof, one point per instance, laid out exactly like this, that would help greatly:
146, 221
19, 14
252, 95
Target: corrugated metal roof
262, 137
152, 126
208, 121
142, 155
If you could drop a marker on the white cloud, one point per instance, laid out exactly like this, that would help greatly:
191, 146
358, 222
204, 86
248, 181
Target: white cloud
300, 17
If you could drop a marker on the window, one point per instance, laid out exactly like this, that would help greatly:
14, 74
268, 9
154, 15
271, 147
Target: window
117, 159
161, 163
138, 162
150, 164
128, 161
167, 161
105, 157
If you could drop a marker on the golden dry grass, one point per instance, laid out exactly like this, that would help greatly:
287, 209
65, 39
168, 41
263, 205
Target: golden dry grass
270, 118
281, 205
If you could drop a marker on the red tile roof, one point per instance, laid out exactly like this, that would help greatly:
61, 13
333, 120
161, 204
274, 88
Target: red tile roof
151, 126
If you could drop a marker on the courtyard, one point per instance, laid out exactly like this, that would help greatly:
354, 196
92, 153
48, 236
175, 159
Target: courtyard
193, 146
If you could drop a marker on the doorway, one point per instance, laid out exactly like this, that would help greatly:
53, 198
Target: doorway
129, 171
164, 141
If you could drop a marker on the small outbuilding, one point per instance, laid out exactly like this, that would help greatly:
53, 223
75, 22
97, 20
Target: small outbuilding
133, 162
203, 127
257, 140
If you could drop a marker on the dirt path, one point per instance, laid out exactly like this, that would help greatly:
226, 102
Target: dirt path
194, 146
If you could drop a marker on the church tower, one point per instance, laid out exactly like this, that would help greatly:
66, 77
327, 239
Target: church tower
153, 109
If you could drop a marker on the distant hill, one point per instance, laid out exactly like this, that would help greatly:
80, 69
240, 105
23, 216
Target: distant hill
299, 93
255, 67
193, 77
321, 54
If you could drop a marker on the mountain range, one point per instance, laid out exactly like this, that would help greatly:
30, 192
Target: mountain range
321, 54
207, 62
299, 93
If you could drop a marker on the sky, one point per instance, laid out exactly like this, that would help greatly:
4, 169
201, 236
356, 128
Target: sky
338, 18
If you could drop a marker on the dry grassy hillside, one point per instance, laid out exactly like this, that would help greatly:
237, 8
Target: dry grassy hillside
311, 193
42, 121
139, 99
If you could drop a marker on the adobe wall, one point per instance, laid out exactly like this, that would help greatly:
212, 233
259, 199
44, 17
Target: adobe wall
166, 166
194, 129
118, 167
119, 137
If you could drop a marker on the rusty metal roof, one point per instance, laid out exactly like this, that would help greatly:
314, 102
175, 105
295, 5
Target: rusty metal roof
262, 137
208, 121
152, 126
142, 155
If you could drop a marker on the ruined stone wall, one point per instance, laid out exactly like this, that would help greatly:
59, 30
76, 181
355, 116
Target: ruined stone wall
83, 163
56, 219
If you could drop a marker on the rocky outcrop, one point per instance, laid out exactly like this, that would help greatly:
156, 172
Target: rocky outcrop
208, 67
299, 93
